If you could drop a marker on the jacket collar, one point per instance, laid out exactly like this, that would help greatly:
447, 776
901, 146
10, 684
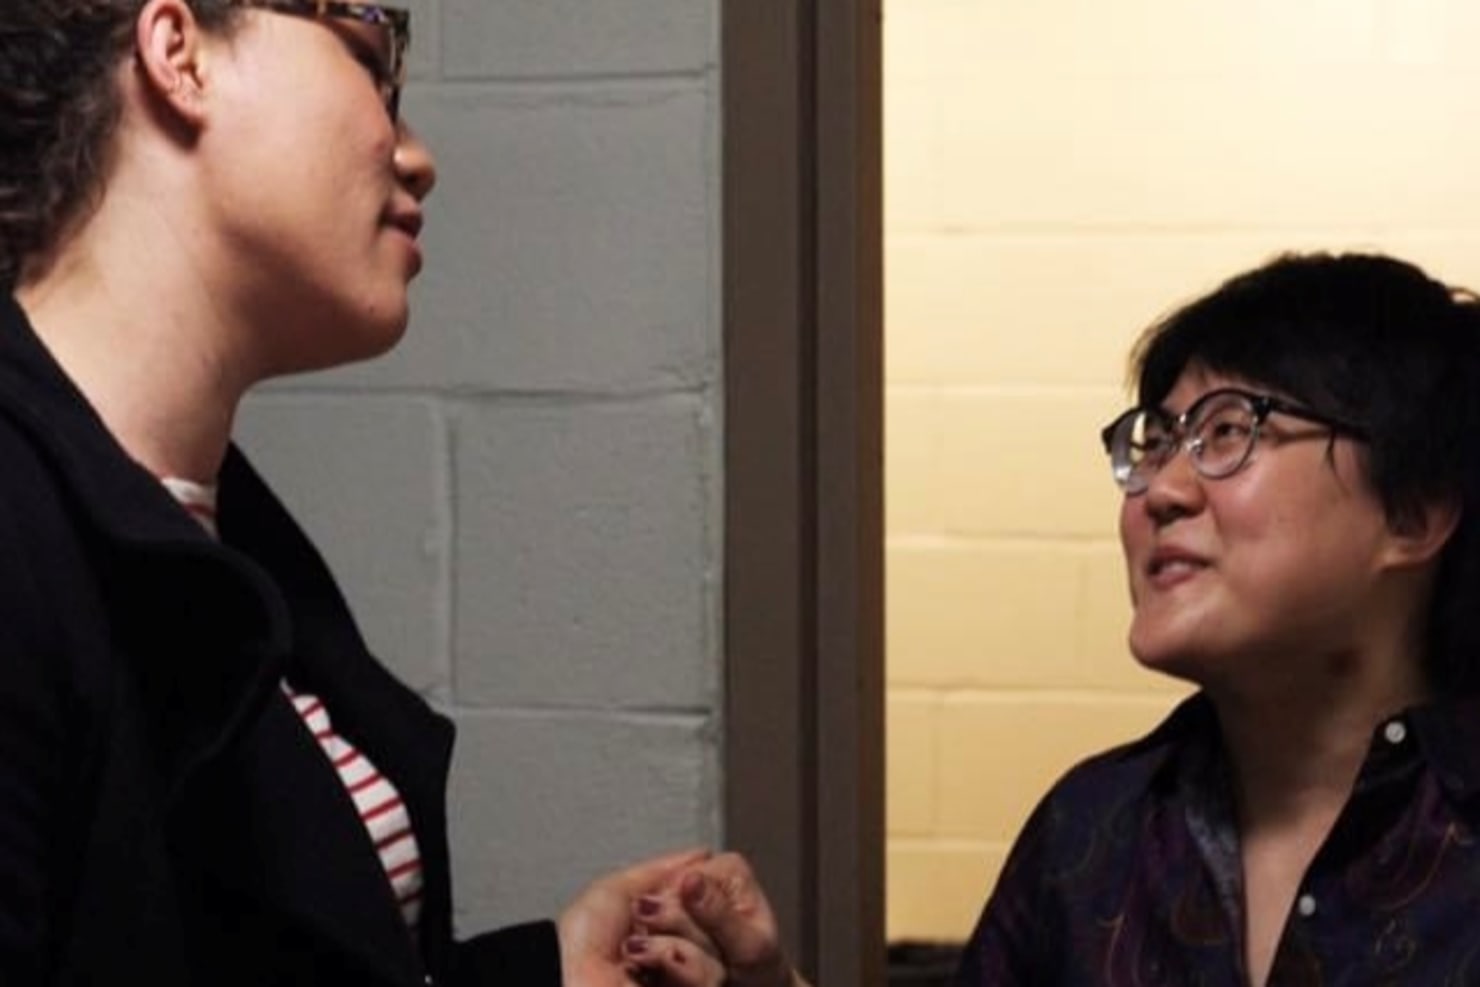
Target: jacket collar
123, 501
156, 567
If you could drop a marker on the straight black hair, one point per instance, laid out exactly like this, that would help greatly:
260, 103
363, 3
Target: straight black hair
1377, 342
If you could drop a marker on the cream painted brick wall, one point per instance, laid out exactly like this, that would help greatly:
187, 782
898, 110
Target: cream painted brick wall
1026, 463
911, 758
988, 782
1058, 174
937, 887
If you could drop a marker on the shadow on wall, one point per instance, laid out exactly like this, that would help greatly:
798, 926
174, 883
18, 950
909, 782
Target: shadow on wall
922, 964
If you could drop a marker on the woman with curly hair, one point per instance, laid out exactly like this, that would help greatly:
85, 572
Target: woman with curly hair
205, 778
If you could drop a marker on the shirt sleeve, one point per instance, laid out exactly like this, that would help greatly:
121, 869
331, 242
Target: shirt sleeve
526, 955
1008, 947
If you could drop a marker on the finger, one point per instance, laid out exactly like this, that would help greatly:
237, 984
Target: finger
672, 962
654, 872
725, 900
664, 914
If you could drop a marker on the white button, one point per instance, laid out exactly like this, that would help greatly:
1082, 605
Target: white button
1306, 906
1395, 731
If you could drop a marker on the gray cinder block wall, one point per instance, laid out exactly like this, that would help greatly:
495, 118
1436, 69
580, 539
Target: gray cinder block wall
523, 501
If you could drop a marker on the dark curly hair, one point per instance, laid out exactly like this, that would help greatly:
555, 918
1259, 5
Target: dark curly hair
1372, 340
58, 110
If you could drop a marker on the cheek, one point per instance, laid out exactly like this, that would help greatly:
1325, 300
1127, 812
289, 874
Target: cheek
369, 142
1293, 556
1133, 525
1255, 545
1134, 531
1125, 520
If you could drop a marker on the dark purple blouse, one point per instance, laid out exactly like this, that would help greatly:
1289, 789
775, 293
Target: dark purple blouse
1128, 872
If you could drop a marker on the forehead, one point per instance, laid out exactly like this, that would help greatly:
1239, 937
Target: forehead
378, 37
373, 25
1196, 380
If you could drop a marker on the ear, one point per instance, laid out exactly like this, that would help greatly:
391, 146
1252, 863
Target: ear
171, 51
1418, 536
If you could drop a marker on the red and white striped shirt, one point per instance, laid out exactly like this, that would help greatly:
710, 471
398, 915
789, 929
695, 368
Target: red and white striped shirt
375, 798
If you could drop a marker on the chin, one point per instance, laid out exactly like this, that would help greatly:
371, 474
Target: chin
365, 340
1176, 659
386, 336
369, 333
1176, 668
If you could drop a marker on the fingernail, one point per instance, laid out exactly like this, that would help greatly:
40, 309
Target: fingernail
635, 944
648, 906
691, 887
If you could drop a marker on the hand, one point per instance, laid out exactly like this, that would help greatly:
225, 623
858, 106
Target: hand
595, 926
668, 948
719, 912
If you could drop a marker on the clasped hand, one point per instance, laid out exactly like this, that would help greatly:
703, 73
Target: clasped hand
689, 919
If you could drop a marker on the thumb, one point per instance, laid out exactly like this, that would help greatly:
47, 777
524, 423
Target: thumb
655, 871
702, 897
730, 911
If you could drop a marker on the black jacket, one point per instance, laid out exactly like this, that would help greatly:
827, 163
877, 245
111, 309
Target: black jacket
165, 818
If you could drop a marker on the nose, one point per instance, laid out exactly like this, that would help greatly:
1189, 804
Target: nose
1175, 489
415, 167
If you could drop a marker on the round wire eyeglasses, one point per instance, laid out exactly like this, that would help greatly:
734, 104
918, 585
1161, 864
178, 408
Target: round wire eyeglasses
1218, 433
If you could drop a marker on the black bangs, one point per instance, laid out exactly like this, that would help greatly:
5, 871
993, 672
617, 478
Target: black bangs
1318, 328
1370, 340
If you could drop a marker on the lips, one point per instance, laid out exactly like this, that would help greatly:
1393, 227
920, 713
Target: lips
409, 223
1169, 565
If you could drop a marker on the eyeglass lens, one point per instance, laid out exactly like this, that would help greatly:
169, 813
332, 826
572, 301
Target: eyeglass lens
389, 26
390, 44
1218, 435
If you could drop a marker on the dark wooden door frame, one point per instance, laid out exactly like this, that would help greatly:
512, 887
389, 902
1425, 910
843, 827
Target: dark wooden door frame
803, 329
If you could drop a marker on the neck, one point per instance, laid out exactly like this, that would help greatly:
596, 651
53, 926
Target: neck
140, 337
1295, 753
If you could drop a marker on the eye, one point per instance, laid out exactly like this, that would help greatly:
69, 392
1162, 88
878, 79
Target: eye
375, 66
373, 61
1229, 427
1153, 445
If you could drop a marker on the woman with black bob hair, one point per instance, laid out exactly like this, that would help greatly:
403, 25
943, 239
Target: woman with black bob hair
205, 777
1299, 527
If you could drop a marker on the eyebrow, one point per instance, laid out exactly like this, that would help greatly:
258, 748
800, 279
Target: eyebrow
350, 34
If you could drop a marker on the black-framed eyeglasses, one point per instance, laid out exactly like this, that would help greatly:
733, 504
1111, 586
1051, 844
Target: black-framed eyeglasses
1218, 431
396, 21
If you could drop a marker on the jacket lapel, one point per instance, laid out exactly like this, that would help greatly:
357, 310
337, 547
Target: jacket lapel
394, 727
273, 821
